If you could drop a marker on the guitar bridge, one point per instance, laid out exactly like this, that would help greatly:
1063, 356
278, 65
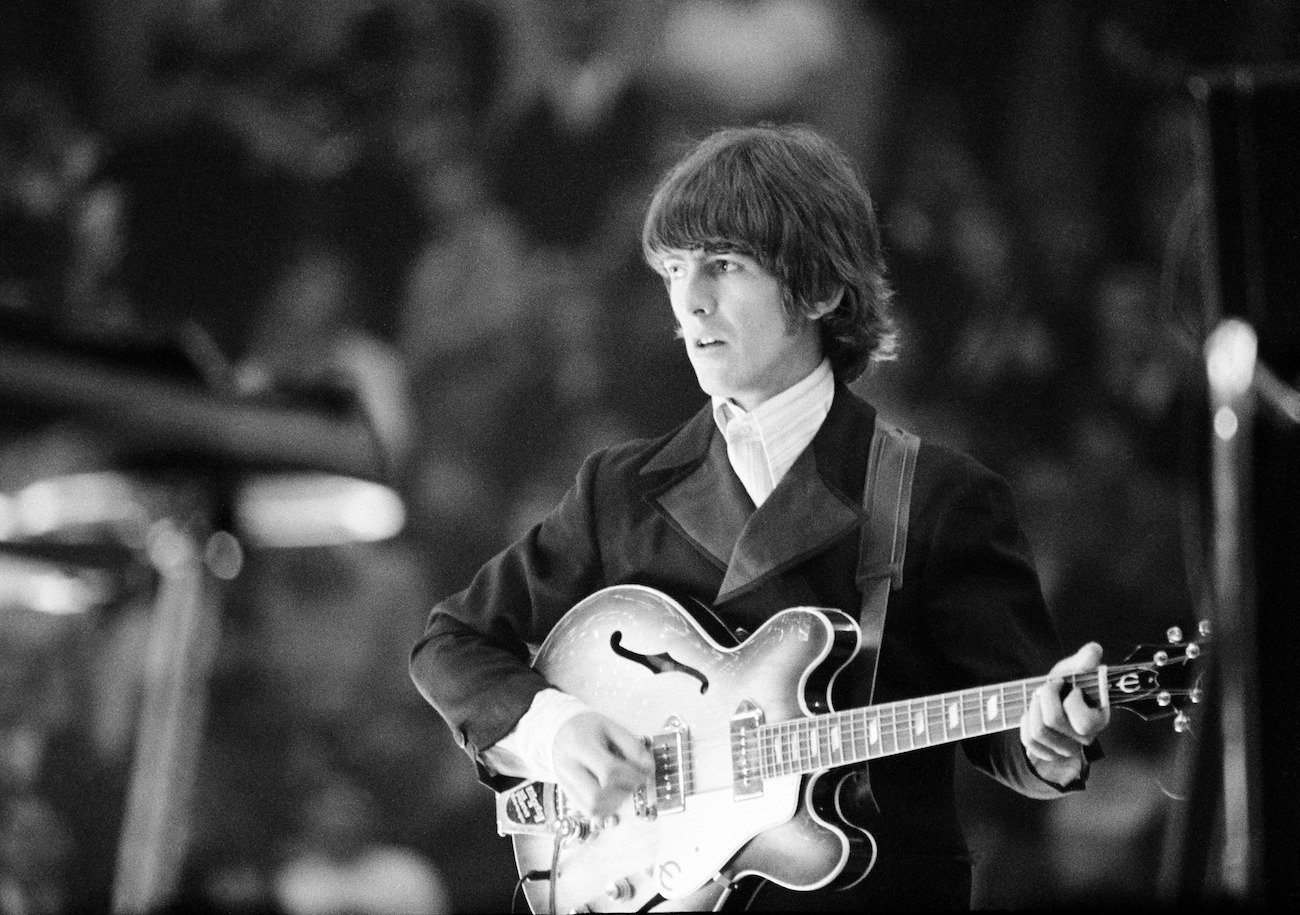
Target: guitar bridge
746, 754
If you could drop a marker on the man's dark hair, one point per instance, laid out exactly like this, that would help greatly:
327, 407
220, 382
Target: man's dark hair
792, 200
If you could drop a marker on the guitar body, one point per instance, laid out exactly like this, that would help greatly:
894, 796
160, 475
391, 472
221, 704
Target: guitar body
637, 656
746, 748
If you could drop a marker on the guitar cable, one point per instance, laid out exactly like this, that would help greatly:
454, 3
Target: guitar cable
555, 871
519, 884
550, 876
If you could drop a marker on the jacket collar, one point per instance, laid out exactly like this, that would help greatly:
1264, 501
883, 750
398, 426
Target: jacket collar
815, 504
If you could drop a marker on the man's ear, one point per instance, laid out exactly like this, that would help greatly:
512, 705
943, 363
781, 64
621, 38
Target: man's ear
826, 306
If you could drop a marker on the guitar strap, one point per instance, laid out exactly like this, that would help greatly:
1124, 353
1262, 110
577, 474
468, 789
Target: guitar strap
886, 496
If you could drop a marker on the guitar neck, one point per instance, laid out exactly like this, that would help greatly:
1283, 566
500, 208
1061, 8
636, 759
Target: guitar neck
805, 745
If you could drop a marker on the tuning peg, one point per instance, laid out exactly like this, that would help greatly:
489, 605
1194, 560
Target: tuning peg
1161, 658
1195, 694
1181, 722
1163, 697
1174, 635
1204, 628
1192, 650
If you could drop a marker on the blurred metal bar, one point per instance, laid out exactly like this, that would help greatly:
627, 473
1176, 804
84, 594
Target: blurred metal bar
156, 824
1275, 393
179, 418
107, 557
1231, 355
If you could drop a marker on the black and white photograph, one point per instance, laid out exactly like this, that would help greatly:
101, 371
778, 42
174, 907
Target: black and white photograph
539, 456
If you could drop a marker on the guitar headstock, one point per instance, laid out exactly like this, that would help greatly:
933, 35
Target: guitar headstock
1159, 680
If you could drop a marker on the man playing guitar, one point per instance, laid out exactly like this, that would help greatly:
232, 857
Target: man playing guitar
770, 251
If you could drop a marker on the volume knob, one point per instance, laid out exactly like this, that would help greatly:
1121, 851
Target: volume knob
620, 889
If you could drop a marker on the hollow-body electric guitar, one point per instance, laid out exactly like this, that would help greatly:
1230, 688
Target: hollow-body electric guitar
745, 744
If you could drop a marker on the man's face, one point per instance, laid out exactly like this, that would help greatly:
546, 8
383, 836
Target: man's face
730, 316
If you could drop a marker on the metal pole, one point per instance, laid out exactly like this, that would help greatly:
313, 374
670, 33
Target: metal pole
155, 831
1230, 359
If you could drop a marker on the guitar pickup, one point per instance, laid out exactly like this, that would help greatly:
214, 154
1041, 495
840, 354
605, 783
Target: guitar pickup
671, 749
746, 754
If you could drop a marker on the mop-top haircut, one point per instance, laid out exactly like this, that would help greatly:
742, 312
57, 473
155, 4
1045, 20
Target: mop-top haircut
792, 200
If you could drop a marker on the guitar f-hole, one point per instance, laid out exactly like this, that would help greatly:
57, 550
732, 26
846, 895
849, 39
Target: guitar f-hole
661, 663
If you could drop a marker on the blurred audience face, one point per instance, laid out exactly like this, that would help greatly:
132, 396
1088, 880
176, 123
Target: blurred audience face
578, 28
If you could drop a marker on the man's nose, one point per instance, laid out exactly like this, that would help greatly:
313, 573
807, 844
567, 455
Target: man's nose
698, 295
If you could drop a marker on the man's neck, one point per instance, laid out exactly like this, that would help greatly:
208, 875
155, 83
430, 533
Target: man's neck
756, 404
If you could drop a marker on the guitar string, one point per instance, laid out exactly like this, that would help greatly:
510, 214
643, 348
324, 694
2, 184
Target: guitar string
937, 707
854, 749
893, 721
934, 709
895, 736
897, 732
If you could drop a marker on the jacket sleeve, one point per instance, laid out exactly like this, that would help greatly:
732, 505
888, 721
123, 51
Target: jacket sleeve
985, 608
472, 661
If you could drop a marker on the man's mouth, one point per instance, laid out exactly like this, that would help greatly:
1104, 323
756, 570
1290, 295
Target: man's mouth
707, 342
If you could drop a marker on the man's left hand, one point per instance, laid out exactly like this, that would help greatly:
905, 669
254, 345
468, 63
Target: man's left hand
1055, 731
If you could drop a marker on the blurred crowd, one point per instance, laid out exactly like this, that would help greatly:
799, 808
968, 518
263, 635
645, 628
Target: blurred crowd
454, 188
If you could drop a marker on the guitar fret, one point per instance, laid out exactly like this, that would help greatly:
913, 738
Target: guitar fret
974, 715
792, 747
804, 745
796, 748
970, 716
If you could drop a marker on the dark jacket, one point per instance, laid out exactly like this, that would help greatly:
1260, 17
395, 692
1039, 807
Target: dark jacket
670, 513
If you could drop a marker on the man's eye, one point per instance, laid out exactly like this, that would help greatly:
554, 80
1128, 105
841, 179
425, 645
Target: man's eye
725, 265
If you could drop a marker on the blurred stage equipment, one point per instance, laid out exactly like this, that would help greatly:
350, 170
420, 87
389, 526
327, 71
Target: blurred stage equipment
194, 472
1236, 844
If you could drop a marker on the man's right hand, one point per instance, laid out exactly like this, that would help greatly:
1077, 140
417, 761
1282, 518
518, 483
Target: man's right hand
599, 764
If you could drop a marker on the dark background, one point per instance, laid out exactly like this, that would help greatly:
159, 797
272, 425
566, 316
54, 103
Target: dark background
441, 201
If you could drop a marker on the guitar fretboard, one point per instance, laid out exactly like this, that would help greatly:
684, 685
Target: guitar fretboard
805, 745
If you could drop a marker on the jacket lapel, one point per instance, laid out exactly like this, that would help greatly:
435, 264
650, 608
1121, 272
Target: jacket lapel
702, 495
815, 504
804, 515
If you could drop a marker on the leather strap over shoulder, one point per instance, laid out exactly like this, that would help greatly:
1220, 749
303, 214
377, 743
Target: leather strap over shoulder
886, 496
